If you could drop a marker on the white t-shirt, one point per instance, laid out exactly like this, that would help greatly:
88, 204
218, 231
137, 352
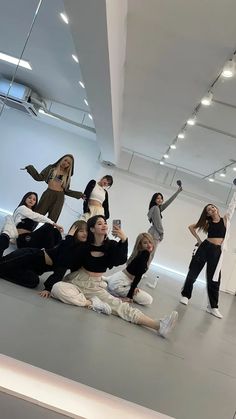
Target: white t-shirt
98, 194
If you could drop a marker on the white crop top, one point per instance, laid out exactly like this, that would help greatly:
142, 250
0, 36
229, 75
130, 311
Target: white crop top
98, 194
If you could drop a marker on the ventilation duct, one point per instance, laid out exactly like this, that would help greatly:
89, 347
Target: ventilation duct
20, 97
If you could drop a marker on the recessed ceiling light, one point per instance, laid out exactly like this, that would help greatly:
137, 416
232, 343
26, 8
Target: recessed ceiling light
234, 168
82, 84
64, 18
206, 100
181, 135
191, 121
13, 60
90, 116
162, 162
86, 102
229, 69
75, 58
211, 178
166, 156
173, 146
223, 173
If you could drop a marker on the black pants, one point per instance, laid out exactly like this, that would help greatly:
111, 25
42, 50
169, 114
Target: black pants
23, 267
4, 243
44, 237
207, 253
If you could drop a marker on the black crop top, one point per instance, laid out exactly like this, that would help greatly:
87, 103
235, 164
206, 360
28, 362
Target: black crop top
216, 230
71, 255
137, 267
27, 224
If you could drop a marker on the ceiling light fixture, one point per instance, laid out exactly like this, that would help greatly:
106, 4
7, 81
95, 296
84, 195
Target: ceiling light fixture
13, 60
181, 135
64, 18
75, 58
86, 102
234, 168
206, 100
82, 84
229, 69
162, 162
223, 173
191, 121
211, 178
90, 116
173, 146
166, 156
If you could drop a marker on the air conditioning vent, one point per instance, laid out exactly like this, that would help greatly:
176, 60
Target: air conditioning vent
20, 97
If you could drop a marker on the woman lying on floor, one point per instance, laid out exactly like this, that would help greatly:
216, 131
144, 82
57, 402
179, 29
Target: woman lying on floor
97, 256
124, 283
22, 224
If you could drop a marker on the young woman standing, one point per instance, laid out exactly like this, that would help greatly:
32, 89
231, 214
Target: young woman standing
209, 252
22, 224
124, 283
96, 198
98, 256
57, 176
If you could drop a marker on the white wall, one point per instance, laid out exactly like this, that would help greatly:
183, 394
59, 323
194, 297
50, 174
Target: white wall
28, 141
130, 197
24, 141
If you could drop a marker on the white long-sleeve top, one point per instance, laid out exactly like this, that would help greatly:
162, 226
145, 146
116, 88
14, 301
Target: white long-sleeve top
229, 214
22, 212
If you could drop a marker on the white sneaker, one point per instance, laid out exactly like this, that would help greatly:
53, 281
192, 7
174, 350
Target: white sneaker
167, 324
184, 300
100, 307
215, 312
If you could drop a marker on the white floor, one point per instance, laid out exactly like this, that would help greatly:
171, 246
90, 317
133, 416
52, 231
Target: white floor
191, 375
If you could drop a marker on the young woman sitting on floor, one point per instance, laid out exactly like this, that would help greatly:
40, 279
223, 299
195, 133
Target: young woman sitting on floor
97, 256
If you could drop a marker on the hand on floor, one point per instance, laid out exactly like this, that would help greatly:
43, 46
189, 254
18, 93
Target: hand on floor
45, 294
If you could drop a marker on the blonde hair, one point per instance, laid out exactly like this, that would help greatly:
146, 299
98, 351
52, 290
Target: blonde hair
68, 172
138, 245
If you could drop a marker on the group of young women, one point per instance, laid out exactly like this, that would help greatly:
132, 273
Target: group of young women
87, 252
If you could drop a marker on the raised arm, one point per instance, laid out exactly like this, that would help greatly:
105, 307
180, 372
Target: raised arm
231, 208
171, 199
42, 176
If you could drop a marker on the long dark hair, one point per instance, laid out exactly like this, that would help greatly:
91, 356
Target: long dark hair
23, 201
203, 222
91, 224
153, 200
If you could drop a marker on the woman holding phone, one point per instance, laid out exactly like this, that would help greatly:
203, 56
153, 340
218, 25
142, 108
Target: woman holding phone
99, 255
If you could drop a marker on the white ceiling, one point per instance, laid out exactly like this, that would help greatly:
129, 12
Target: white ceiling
175, 50
55, 75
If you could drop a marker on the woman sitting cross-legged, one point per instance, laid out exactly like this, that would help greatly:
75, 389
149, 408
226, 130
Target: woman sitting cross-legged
124, 283
96, 257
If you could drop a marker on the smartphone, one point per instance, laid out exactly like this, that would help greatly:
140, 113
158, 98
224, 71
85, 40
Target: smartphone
116, 223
